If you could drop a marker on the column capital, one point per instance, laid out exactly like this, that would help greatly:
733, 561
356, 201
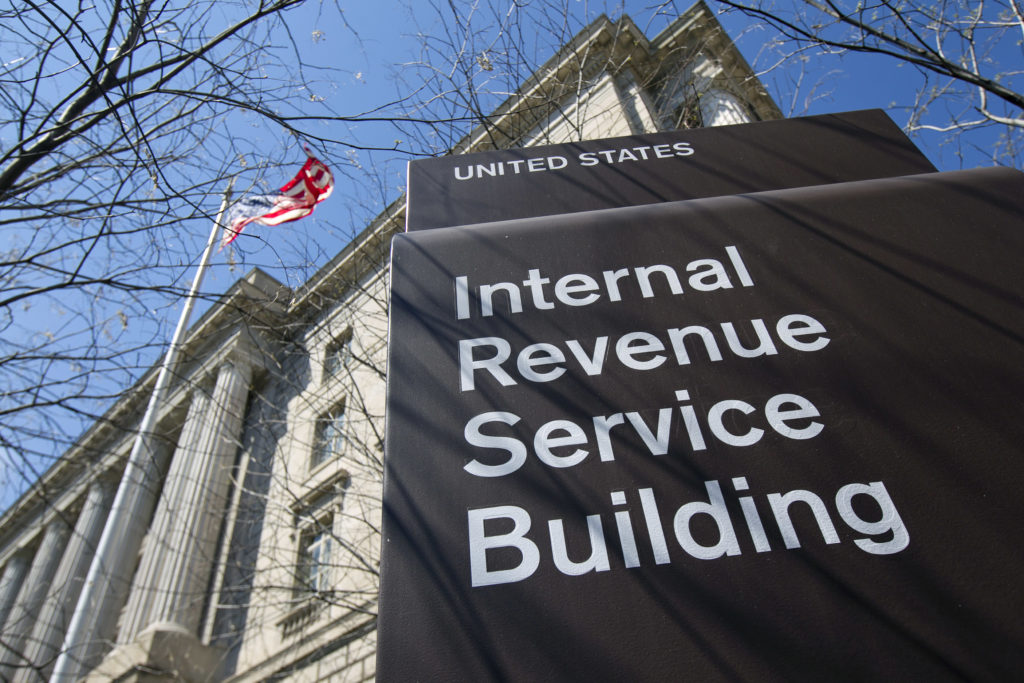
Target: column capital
242, 349
240, 363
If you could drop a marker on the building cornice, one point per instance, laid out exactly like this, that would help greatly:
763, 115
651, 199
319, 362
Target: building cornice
361, 255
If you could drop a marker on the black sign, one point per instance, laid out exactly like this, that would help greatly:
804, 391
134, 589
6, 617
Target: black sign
645, 169
763, 437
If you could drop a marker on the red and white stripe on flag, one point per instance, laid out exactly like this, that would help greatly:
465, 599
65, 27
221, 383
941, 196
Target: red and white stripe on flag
297, 199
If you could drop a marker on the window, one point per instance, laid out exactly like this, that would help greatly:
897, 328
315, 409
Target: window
314, 566
330, 436
317, 552
338, 355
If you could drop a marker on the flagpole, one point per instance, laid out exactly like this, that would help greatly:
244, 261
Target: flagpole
107, 581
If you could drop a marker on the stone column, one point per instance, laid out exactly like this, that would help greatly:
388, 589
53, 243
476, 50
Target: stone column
10, 583
180, 550
138, 599
31, 596
44, 643
94, 620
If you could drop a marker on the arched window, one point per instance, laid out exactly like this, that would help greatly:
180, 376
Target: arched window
721, 108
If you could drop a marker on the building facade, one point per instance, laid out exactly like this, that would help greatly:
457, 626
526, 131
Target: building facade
259, 547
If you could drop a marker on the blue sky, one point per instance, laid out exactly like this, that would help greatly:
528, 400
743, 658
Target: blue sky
371, 49
361, 58
374, 45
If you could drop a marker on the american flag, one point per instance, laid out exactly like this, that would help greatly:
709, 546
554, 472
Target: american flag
311, 185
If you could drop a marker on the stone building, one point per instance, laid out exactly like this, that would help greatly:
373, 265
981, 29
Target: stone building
258, 554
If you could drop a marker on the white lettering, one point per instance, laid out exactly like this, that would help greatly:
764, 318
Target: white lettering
468, 365
539, 355
480, 543
545, 440
516, 449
